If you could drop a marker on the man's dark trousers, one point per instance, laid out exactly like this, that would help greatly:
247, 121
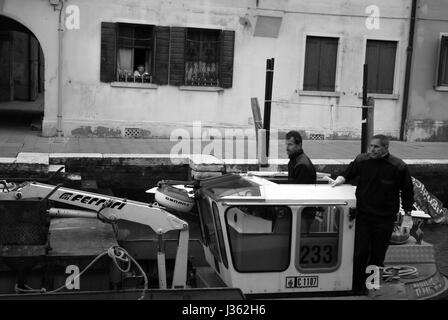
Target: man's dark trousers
372, 238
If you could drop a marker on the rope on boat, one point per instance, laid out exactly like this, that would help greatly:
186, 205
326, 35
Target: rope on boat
400, 271
116, 253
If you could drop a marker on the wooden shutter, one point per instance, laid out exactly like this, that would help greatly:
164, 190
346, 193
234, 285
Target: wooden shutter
380, 58
327, 63
226, 60
443, 63
311, 72
372, 60
108, 51
177, 57
162, 44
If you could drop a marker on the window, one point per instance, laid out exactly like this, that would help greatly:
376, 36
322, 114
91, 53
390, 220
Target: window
210, 235
318, 244
135, 53
169, 55
259, 237
442, 75
380, 59
220, 236
202, 57
320, 63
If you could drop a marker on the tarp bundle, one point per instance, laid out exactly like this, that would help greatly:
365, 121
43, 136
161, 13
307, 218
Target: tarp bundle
427, 202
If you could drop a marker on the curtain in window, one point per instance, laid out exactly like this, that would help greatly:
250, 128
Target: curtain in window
124, 63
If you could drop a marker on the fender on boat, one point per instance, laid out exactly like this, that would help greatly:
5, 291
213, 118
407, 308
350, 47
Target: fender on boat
173, 198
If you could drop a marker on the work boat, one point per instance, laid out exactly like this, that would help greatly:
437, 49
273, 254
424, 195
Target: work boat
236, 236
276, 240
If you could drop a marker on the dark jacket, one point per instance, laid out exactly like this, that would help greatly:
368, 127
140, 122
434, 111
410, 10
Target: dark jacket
379, 184
300, 169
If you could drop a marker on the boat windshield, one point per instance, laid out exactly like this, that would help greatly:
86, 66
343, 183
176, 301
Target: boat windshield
234, 186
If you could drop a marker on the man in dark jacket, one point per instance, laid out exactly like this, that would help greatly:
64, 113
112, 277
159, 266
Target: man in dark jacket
300, 168
301, 171
381, 176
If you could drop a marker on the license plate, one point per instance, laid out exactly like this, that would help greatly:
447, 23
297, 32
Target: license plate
302, 282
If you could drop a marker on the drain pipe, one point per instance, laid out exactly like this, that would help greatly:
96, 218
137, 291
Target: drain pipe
60, 33
407, 77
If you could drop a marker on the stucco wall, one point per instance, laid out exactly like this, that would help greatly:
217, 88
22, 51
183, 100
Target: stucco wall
94, 108
428, 108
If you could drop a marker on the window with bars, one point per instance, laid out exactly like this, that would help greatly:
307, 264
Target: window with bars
202, 57
442, 75
320, 63
380, 59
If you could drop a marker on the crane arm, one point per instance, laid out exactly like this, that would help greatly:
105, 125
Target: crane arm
113, 209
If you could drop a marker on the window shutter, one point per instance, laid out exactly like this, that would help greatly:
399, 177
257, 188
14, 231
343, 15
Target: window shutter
177, 56
311, 73
108, 51
380, 59
443, 63
372, 61
226, 63
162, 43
386, 67
327, 64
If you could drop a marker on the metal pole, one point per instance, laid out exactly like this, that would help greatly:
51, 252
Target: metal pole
60, 31
407, 77
267, 100
364, 137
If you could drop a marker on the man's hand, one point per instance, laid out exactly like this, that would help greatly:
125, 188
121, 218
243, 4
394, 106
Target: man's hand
339, 180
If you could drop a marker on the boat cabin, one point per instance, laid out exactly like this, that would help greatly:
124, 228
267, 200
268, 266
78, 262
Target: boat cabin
268, 238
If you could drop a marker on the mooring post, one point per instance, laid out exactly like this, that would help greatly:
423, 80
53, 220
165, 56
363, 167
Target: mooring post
267, 101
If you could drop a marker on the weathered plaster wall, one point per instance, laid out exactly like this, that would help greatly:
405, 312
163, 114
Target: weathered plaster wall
428, 108
97, 109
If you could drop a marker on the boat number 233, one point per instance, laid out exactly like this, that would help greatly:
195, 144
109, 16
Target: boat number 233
316, 254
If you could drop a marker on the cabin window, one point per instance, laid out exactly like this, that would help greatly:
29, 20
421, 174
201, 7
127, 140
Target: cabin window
380, 59
210, 234
259, 237
442, 75
222, 247
320, 63
318, 243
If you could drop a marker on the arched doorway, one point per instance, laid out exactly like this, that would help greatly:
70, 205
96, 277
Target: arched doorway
21, 80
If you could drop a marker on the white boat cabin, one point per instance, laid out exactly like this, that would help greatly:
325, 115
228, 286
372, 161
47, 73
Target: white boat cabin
268, 238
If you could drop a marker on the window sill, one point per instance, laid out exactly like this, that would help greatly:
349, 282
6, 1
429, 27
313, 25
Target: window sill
320, 93
392, 96
117, 84
441, 88
199, 88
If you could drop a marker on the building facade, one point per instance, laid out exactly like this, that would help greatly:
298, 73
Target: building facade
204, 60
427, 117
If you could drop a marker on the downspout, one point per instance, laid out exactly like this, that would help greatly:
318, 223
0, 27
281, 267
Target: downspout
407, 77
60, 33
